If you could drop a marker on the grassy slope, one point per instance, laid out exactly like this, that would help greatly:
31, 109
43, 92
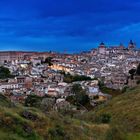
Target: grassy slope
52, 126
123, 109
125, 115
125, 112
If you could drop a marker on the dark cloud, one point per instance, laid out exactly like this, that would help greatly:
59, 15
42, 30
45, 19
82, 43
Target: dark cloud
61, 24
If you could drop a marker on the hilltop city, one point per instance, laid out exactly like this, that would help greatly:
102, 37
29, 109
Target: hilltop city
53, 74
59, 96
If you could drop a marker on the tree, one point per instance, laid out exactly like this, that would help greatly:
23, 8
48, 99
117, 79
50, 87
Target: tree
101, 84
76, 88
4, 73
68, 78
80, 95
132, 73
33, 101
48, 60
138, 70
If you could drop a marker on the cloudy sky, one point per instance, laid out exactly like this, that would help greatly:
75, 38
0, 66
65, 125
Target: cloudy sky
67, 25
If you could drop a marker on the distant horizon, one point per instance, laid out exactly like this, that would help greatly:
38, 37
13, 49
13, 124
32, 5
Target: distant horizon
68, 52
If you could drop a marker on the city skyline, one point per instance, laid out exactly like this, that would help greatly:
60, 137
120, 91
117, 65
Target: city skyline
70, 26
131, 45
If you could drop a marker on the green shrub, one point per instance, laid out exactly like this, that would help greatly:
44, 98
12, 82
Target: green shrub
57, 131
4, 73
103, 118
68, 78
33, 101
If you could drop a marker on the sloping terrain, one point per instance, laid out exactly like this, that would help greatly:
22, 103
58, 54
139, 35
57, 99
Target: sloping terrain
21, 123
119, 119
122, 114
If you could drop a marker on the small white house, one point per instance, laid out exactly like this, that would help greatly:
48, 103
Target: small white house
93, 91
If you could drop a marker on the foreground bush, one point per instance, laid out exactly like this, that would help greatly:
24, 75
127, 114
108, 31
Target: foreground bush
103, 118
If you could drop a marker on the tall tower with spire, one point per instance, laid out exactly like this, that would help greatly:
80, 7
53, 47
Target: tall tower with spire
102, 48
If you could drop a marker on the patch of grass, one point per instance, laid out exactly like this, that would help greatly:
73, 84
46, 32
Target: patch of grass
134, 136
115, 133
4, 101
9, 136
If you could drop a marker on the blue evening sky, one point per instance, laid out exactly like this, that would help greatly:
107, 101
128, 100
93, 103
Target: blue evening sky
67, 25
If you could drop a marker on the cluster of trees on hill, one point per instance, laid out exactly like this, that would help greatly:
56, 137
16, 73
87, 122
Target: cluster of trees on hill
134, 71
33, 101
44, 103
5, 73
79, 97
48, 61
68, 78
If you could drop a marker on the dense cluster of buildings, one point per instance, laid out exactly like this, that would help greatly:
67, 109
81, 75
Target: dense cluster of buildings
110, 64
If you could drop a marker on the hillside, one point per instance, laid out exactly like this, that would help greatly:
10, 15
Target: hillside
119, 119
122, 114
21, 123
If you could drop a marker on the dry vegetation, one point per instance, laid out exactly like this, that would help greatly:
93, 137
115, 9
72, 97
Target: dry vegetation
118, 119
